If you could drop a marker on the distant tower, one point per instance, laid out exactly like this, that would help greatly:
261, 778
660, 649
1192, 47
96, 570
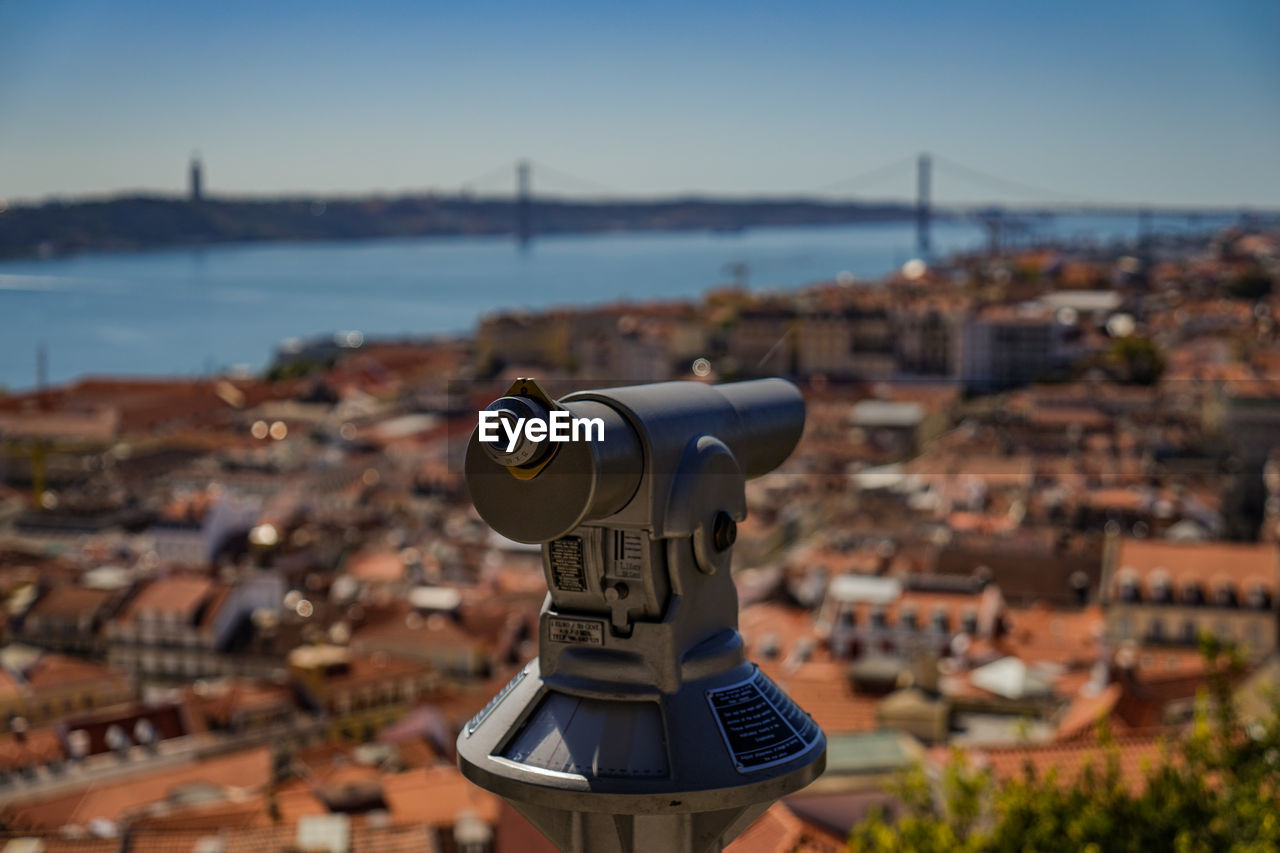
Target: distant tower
923, 169
524, 202
195, 190
1145, 234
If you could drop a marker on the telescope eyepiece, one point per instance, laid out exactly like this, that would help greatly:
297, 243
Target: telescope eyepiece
512, 447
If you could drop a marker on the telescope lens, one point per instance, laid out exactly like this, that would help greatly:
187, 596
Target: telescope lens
512, 446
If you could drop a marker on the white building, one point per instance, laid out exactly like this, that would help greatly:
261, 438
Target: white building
999, 347
193, 528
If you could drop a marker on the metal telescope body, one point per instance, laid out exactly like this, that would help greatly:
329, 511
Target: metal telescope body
641, 725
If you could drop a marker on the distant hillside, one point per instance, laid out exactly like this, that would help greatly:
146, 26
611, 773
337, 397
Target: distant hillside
144, 222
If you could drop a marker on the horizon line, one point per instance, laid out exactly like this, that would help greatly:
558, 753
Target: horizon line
682, 196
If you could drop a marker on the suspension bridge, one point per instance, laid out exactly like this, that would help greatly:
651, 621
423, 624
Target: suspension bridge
1003, 207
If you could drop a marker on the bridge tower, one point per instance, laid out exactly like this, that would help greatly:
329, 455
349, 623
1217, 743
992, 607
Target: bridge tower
195, 179
524, 202
924, 168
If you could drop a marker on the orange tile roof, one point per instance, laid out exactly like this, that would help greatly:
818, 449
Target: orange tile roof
9, 688
208, 816
790, 626
264, 839
376, 567
943, 465
1131, 500
335, 776
1043, 634
221, 700
36, 747
858, 561
1205, 562
112, 801
179, 595
54, 844
436, 796
1063, 416
70, 602
376, 668
1085, 712
295, 799
825, 691
514, 834
983, 522
144, 404
1136, 753
59, 671
419, 753
776, 831
413, 838
400, 624
780, 830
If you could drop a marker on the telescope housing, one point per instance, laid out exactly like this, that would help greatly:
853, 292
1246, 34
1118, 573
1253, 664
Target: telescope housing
641, 724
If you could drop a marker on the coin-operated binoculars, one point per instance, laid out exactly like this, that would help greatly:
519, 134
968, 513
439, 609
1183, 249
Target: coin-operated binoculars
641, 726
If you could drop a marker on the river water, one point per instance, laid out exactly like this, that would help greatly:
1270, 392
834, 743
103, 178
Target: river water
186, 312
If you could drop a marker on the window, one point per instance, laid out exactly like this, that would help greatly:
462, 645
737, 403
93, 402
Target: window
1161, 591
941, 621
1189, 632
1259, 597
1155, 631
1129, 591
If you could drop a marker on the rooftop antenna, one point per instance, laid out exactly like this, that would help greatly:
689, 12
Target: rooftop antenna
42, 366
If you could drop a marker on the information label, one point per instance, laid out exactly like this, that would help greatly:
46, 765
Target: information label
628, 556
760, 725
568, 572
587, 632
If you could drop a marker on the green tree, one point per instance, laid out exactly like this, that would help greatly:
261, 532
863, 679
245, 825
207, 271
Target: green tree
1253, 283
1215, 789
1136, 359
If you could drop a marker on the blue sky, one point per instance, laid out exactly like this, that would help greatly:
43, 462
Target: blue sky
1162, 102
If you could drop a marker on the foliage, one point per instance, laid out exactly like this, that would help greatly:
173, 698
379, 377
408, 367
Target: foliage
1136, 359
297, 369
1216, 789
1251, 284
